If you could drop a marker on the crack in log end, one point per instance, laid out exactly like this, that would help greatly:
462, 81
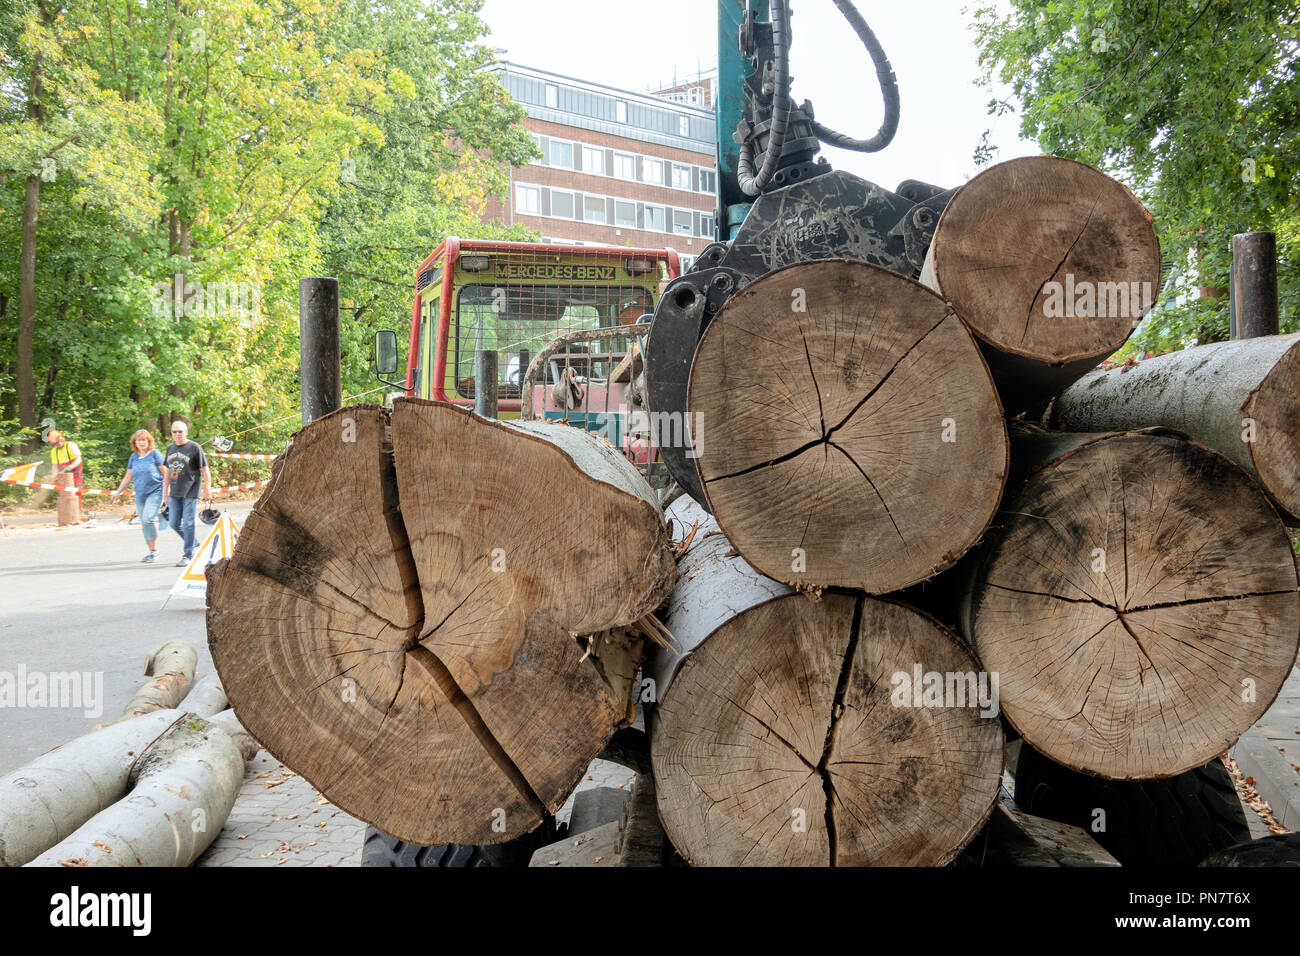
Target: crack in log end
832, 730
828, 432
395, 524
437, 672
1029, 316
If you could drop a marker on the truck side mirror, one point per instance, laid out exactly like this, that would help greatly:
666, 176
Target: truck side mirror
385, 352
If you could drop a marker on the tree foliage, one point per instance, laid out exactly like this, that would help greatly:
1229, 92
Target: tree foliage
1193, 103
195, 159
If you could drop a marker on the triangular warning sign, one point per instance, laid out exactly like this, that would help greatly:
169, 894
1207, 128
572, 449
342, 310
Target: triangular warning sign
220, 543
21, 474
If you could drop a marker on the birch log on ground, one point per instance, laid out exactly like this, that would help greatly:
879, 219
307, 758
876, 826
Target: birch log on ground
172, 668
182, 788
415, 649
1051, 263
850, 433
206, 698
1240, 398
46, 800
1139, 602
777, 741
229, 722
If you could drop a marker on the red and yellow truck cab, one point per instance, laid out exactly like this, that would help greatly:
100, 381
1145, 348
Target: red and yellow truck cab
516, 298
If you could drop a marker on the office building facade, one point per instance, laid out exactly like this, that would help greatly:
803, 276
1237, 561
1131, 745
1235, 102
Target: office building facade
616, 167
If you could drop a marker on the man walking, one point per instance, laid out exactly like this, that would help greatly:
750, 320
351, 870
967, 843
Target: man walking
186, 466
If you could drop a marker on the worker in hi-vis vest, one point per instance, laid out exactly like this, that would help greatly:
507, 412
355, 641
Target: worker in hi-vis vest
65, 456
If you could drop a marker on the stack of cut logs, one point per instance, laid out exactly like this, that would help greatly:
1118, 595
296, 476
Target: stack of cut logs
443, 650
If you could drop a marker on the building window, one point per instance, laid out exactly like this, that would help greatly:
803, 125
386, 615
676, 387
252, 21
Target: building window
708, 181
561, 204
682, 222
593, 160
624, 213
653, 171
620, 111
654, 219
593, 208
528, 199
561, 154
537, 141
625, 166
684, 125
681, 177
552, 96
706, 227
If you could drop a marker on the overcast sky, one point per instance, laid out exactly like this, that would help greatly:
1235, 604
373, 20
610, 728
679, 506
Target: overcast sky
634, 45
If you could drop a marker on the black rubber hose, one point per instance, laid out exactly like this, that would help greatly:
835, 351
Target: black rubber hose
888, 89
751, 184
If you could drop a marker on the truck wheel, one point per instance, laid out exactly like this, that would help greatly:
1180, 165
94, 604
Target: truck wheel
1170, 822
380, 849
1281, 849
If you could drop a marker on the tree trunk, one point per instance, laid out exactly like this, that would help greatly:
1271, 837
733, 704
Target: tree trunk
1240, 398
247, 744
44, 801
27, 304
172, 668
777, 739
1051, 263
205, 699
182, 789
848, 431
416, 654
1140, 602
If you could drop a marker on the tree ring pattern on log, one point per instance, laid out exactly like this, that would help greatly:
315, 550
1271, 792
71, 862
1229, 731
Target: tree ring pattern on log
410, 647
1140, 605
777, 743
862, 429
1023, 224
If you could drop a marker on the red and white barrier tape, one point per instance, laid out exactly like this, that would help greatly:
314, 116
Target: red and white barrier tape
253, 457
103, 491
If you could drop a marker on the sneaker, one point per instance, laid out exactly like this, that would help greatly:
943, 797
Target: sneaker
184, 561
150, 558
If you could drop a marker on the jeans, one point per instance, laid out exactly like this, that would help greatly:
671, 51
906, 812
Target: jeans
180, 515
147, 506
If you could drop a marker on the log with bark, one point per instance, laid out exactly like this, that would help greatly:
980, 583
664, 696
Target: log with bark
1139, 602
206, 698
1051, 263
849, 432
172, 668
405, 620
49, 798
784, 736
1240, 398
227, 721
182, 787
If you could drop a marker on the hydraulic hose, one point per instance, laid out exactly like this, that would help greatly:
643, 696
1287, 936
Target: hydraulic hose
752, 184
888, 89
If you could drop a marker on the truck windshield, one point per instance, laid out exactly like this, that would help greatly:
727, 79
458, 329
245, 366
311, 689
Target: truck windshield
518, 321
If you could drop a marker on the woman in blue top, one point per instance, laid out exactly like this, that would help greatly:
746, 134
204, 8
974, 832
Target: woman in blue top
145, 469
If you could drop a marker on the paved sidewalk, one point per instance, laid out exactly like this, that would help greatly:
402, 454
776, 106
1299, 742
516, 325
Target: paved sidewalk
279, 819
1270, 754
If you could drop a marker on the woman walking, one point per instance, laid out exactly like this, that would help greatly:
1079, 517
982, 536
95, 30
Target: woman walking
145, 468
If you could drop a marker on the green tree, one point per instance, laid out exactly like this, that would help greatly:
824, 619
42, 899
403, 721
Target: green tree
1193, 103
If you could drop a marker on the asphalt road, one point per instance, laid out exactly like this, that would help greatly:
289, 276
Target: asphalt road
79, 600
